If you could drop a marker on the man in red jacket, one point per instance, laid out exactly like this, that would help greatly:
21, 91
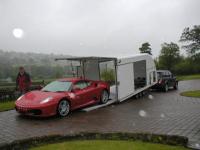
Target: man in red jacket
23, 81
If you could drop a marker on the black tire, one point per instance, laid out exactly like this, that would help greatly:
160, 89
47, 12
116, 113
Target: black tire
137, 96
63, 108
104, 97
176, 86
141, 95
166, 88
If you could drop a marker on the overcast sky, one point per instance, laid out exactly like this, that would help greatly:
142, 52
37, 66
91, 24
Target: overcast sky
94, 27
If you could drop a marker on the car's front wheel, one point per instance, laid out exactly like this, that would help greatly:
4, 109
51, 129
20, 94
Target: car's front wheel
104, 97
63, 108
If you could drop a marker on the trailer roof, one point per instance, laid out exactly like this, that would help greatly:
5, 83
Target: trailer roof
88, 58
103, 58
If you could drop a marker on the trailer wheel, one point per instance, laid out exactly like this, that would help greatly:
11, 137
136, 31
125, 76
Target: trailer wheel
140, 94
104, 97
143, 93
136, 96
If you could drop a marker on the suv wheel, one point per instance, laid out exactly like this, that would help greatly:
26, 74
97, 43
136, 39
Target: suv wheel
176, 86
166, 88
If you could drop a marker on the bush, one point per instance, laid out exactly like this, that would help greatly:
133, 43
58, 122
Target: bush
108, 75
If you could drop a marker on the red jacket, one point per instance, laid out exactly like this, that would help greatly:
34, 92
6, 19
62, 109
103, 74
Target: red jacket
23, 82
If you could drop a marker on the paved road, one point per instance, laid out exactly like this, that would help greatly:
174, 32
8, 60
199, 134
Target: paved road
162, 113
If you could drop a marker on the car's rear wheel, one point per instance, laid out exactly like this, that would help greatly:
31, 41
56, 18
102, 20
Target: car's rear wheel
63, 108
166, 88
176, 86
104, 97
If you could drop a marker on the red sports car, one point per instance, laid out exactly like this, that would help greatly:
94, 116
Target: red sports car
62, 96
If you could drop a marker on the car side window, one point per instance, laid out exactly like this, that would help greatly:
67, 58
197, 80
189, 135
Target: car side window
170, 75
89, 83
166, 74
159, 75
81, 84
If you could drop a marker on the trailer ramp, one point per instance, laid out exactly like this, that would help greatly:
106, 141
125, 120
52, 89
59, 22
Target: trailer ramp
112, 100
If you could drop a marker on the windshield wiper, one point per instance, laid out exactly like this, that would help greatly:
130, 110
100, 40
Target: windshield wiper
59, 91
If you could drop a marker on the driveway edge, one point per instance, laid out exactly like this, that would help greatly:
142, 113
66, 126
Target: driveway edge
145, 137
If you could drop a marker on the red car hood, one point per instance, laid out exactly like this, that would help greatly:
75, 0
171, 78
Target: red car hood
35, 97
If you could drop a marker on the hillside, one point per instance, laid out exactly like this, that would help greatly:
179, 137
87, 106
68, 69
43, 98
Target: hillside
39, 65
21, 58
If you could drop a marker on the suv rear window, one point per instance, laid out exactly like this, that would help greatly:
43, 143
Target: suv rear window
160, 74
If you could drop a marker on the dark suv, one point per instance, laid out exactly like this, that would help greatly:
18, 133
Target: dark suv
165, 80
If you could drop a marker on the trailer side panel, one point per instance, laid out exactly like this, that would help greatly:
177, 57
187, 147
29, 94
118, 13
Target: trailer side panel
125, 76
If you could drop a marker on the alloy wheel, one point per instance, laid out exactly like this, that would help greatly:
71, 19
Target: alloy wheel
63, 108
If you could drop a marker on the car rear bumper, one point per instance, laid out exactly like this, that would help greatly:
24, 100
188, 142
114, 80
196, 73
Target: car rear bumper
158, 86
44, 111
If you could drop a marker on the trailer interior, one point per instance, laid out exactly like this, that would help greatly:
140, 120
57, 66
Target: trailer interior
140, 78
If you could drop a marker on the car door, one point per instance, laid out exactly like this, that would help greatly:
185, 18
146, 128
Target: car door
92, 91
80, 92
166, 77
170, 79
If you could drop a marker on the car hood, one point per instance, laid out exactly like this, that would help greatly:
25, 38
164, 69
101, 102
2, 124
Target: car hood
35, 97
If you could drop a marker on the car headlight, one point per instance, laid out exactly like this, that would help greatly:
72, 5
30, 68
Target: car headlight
46, 100
20, 98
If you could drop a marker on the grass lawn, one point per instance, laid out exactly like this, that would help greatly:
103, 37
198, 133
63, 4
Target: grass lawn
191, 93
107, 145
7, 105
188, 77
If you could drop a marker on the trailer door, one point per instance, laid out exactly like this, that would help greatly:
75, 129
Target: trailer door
125, 77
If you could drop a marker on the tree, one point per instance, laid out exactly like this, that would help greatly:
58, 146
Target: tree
145, 48
169, 56
192, 39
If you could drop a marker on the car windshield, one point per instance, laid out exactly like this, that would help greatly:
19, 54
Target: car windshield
58, 86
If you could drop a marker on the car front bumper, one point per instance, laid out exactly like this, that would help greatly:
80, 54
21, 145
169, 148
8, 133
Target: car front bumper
42, 111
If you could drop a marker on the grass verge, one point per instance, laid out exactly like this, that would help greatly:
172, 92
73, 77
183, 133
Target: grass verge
188, 77
107, 145
191, 93
8, 105
35, 142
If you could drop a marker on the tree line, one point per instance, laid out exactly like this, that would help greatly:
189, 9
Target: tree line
39, 66
170, 57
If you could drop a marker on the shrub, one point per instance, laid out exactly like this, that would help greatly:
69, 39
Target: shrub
108, 75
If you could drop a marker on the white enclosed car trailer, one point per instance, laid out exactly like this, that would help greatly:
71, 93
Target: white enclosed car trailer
133, 74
